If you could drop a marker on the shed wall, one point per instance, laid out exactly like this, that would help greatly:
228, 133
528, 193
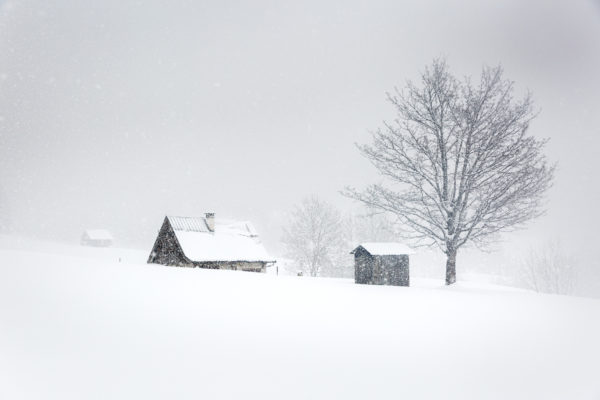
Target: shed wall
381, 270
363, 267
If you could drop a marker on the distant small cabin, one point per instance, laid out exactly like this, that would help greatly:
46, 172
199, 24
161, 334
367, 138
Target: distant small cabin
382, 264
96, 238
204, 242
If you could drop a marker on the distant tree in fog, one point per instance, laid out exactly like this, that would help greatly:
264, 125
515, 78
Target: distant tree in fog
549, 269
370, 226
460, 161
314, 237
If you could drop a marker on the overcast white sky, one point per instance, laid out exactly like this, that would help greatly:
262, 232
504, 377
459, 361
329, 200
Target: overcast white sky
115, 113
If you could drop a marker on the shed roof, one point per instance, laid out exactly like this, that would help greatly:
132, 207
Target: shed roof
98, 234
384, 248
231, 240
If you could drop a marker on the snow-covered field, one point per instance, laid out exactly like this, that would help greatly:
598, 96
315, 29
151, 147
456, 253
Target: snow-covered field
75, 323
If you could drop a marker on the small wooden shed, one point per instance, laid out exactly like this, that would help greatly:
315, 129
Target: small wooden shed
382, 264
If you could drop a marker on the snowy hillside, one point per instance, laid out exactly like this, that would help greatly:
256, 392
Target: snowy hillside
77, 324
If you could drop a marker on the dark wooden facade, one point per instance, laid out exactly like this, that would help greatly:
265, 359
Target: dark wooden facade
372, 269
166, 250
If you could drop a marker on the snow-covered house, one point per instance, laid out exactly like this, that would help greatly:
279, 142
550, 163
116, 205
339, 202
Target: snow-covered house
208, 243
96, 238
384, 263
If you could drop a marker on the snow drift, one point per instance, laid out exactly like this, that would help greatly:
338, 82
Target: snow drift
81, 325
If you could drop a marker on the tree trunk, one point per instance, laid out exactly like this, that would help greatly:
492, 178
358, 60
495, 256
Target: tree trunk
451, 268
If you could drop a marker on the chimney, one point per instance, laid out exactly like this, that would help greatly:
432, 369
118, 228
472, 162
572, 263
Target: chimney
210, 221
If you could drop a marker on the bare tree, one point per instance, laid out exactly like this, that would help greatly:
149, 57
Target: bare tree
463, 166
369, 226
314, 237
549, 269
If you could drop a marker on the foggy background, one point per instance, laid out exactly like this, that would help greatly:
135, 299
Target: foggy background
115, 113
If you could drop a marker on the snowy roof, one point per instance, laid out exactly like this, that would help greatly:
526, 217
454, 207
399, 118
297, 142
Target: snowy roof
192, 224
244, 228
231, 240
385, 248
98, 234
199, 224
